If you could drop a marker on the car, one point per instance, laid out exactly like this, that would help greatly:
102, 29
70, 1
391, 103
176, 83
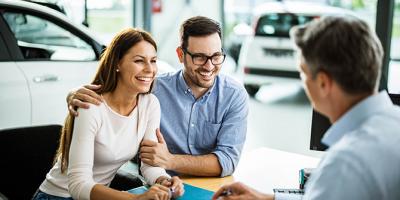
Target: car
43, 56
267, 56
236, 38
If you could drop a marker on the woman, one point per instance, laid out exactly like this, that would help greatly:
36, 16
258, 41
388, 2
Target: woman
95, 144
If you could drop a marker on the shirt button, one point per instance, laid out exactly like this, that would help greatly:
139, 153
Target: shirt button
192, 125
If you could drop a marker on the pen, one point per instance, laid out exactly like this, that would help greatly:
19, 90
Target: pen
170, 193
225, 193
171, 190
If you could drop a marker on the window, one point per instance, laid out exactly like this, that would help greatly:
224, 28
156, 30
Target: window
394, 66
43, 40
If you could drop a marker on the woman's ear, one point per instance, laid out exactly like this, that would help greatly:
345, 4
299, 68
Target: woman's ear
179, 52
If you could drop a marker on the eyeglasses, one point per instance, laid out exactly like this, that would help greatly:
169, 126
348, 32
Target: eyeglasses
201, 59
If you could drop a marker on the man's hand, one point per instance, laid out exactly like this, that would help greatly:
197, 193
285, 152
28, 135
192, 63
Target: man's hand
239, 191
82, 97
156, 153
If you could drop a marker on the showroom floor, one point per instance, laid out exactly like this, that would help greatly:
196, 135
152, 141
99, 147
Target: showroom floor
280, 118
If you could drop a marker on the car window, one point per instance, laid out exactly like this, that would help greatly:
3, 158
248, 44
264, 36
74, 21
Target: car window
3, 51
279, 24
41, 39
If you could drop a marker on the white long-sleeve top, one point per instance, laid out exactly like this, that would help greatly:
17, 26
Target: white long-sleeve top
102, 142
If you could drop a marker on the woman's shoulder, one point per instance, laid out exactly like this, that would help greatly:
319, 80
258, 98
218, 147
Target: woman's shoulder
92, 111
148, 98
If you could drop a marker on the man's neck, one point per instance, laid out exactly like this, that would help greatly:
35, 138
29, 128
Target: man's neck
344, 103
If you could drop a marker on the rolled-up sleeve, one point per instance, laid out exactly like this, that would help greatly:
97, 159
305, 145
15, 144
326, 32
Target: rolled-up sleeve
149, 172
81, 155
232, 135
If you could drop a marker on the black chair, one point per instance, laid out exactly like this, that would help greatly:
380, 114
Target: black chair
26, 155
124, 180
2, 197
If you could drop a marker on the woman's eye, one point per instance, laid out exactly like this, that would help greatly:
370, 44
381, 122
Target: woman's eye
138, 61
154, 61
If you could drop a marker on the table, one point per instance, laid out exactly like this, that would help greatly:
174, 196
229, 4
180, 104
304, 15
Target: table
263, 169
208, 183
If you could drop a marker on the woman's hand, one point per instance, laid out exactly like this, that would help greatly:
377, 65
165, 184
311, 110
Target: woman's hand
175, 185
156, 192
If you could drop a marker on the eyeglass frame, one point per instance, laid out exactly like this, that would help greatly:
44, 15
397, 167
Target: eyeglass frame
203, 55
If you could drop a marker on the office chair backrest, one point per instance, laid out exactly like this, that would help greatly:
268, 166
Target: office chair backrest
26, 155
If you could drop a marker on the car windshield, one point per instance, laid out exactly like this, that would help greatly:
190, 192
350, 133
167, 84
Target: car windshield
279, 24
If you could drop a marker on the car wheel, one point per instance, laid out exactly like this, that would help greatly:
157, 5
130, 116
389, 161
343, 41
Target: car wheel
252, 89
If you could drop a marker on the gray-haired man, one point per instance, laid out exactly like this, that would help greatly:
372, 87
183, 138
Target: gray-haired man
340, 65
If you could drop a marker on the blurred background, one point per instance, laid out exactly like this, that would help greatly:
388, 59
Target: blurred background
256, 40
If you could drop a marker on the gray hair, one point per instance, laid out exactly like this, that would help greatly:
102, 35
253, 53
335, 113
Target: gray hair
345, 48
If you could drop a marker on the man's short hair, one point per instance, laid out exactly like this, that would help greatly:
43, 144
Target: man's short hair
345, 48
198, 26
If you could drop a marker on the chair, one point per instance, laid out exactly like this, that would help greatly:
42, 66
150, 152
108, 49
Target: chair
2, 197
124, 180
128, 176
26, 155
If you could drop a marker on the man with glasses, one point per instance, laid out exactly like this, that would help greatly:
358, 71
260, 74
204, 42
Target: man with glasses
203, 113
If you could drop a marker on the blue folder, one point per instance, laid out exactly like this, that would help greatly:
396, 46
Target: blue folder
191, 192
138, 190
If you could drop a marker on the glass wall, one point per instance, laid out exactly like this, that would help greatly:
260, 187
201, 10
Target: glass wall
166, 23
394, 67
258, 40
241, 17
107, 17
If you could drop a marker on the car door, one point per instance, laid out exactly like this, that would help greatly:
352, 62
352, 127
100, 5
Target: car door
55, 60
15, 105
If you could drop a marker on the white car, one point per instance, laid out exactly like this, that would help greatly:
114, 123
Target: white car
42, 57
268, 55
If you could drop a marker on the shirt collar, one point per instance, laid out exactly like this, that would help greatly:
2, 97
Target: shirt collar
186, 89
355, 116
182, 83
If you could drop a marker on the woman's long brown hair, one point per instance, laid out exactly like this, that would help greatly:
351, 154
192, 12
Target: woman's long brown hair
107, 77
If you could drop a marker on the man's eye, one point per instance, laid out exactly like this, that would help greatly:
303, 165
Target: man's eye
200, 57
